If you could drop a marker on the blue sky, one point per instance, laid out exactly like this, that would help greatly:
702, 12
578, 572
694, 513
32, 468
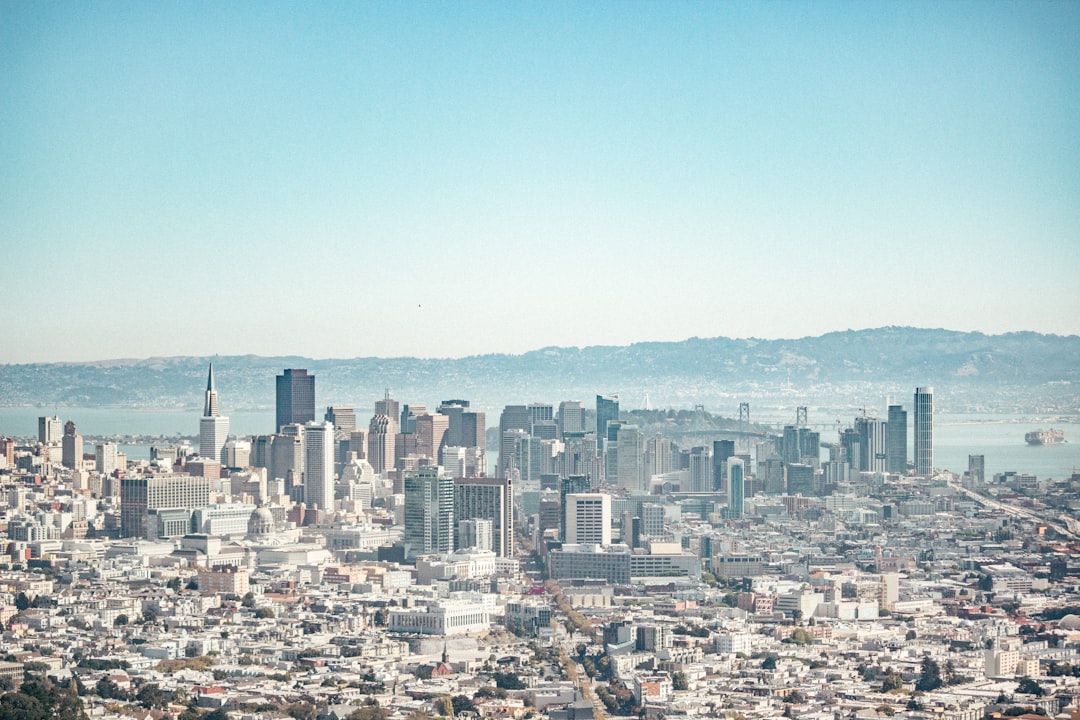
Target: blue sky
442, 179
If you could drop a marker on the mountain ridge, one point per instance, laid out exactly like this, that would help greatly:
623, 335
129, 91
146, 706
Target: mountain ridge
1008, 366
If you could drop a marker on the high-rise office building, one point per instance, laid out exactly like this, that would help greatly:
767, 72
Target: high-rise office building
73, 446
871, 444
431, 435
295, 397
474, 429
701, 470
630, 459
896, 440
213, 427
977, 468
736, 488
575, 484
138, 495
388, 407
607, 412
429, 512
800, 479
105, 458
381, 439
287, 455
343, 418
50, 430
657, 456
489, 499
571, 418
721, 451
407, 420
588, 519
453, 410
513, 417
924, 431
319, 466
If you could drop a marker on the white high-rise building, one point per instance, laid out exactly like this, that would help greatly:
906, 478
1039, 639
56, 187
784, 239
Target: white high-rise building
588, 519
319, 465
213, 428
105, 458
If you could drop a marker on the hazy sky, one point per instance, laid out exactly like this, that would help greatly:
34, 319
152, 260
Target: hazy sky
443, 179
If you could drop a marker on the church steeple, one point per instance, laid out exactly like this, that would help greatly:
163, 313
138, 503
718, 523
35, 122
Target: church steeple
210, 407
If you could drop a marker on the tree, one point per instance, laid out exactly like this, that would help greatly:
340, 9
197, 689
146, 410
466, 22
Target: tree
264, 613
368, 712
929, 676
769, 663
106, 689
151, 696
120, 620
462, 703
891, 682
248, 600
1027, 686
679, 681
490, 692
508, 681
301, 711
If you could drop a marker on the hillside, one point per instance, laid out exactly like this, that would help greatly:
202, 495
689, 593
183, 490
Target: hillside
1016, 371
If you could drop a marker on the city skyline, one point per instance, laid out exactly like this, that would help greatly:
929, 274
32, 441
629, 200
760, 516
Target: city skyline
778, 165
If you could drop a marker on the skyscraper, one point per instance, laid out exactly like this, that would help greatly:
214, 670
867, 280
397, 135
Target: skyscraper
388, 407
588, 519
871, 444
488, 499
607, 411
513, 417
382, 435
571, 418
429, 512
319, 466
287, 455
721, 451
295, 397
343, 417
737, 488
50, 430
896, 440
431, 435
977, 468
924, 431
630, 459
213, 428
73, 446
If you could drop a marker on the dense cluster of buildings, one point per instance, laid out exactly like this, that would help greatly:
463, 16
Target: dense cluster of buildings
609, 567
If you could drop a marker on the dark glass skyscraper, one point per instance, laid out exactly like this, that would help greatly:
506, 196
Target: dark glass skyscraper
295, 397
924, 431
607, 411
896, 440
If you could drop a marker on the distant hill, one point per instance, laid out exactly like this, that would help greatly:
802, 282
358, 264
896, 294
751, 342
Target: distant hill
1022, 372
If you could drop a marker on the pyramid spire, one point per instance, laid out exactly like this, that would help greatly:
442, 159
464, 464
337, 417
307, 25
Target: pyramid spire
210, 407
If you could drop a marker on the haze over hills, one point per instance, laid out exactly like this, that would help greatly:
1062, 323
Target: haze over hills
1016, 372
